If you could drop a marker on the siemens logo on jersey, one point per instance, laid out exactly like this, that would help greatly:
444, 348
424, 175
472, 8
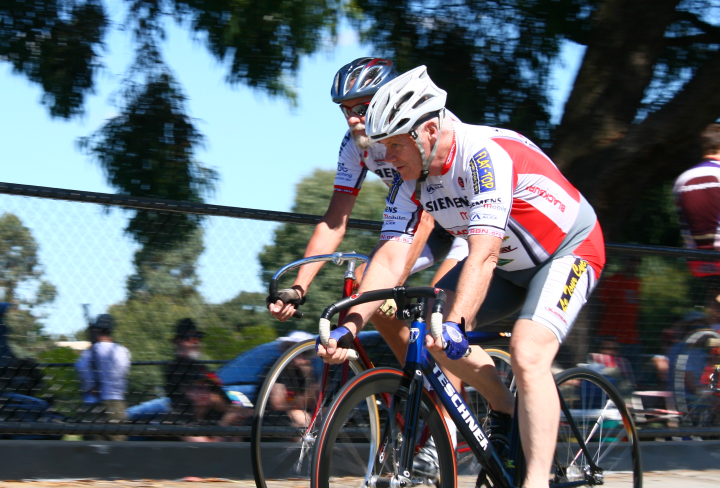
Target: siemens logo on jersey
444, 203
385, 172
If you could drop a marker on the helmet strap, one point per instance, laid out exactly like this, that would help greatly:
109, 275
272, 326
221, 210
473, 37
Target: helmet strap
426, 161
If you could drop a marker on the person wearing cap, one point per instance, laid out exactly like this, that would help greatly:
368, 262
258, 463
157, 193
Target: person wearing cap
535, 247
103, 372
195, 392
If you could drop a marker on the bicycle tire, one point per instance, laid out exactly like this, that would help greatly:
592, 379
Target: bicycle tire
480, 407
691, 400
351, 462
603, 421
289, 456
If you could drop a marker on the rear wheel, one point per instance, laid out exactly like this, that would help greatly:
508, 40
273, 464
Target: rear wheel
283, 430
348, 454
596, 414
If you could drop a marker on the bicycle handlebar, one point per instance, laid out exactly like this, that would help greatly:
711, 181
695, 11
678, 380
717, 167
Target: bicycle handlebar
338, 258
399, 294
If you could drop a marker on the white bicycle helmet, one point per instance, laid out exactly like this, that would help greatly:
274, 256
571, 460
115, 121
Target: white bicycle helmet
361, 78
402, 105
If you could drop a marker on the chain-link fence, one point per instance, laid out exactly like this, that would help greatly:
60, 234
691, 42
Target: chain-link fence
66, 258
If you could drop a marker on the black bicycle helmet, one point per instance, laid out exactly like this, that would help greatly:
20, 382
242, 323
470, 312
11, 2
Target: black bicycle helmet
361, 78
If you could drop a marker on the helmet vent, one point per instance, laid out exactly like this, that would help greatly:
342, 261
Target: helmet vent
398, 106
352, 78
369, 77
422, 100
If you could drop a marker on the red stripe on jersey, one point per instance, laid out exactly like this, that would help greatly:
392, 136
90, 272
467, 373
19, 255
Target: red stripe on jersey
539, 225
592, 249
347, 189
530, 161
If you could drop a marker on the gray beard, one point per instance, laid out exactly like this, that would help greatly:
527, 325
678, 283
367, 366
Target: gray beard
363, 142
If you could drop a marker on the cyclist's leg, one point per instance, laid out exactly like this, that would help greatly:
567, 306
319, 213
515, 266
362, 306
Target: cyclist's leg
556, 293
532, 350
394, 332
478, 369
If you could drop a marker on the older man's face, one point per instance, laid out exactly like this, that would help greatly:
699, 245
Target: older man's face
356, 121
404, 155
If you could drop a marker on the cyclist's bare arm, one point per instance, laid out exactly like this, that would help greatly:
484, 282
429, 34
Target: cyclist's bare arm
384, 270
427, 224
326, 238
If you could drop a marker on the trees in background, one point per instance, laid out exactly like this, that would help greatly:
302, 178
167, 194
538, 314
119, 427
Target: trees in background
24, 285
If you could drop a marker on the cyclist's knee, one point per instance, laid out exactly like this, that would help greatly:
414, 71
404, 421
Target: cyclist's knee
532, 348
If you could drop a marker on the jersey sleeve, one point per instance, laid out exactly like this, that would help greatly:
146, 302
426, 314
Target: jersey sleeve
350, 168
402, 213
490, 173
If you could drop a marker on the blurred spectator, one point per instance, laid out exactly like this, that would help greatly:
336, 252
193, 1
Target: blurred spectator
620, 294
196, 393
611, 364
697, 195
103, 371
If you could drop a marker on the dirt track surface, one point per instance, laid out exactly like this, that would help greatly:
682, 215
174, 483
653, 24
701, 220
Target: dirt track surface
652, 479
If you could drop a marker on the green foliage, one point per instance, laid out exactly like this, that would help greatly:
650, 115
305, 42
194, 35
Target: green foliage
22, 284
493, 58
665, 292
654, 220
60, 383
261, 42
56, 45
148, 151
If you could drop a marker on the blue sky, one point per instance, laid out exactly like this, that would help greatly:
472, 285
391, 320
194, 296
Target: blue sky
260, 146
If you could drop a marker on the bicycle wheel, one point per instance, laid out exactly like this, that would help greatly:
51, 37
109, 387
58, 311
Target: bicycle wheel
692, 396
347, 454
480, 407
603, 422
283, 430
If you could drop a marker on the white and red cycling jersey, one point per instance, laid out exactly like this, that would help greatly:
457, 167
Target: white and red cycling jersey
353, 165
496, 182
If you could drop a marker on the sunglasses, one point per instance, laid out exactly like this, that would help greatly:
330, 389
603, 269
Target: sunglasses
358, 110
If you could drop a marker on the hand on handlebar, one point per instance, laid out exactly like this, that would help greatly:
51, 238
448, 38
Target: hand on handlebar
340, 342
453, 342
286, 304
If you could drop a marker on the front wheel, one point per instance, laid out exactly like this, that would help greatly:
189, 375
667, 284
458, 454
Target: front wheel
594, 412
284, 426
346, 452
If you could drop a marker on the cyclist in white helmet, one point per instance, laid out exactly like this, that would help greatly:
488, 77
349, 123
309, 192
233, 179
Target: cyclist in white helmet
353, 87
535, 247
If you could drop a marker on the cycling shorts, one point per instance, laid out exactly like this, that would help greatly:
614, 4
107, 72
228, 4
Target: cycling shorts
550, 294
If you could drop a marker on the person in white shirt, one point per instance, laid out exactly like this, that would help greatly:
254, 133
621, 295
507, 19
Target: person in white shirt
103, 371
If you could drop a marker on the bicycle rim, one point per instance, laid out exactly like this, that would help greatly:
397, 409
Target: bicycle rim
694, 399
346, 455
480, 407
282, 436
603, 424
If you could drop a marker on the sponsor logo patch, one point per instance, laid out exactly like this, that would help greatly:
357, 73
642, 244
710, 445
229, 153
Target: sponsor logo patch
503, 262
579, 268
431, 188
394, 188
414, 334
461, 182
483, 174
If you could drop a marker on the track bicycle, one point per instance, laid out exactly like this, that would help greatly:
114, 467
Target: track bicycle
281, 443
596, 435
